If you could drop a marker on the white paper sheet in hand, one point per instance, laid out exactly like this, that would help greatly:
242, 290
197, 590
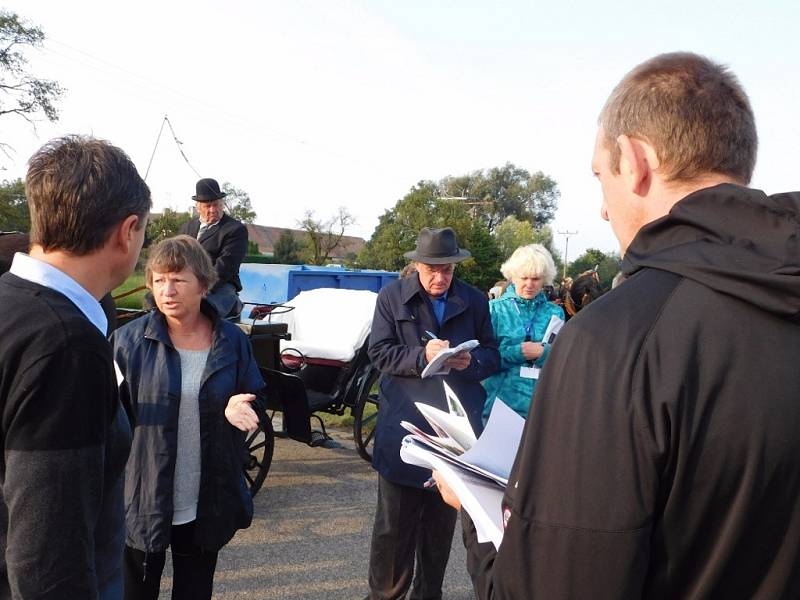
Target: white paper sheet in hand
553, 327
497, 447
448, 426
446, 445
482, 500
435, 366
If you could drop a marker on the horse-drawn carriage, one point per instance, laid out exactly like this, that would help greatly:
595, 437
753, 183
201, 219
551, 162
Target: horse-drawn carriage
312, 352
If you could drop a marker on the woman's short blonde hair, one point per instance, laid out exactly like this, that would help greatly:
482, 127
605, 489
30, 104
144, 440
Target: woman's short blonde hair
533, 260
177, 253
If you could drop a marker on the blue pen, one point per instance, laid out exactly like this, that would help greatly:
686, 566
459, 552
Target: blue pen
431, 335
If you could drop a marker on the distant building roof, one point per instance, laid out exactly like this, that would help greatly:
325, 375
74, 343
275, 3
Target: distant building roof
267, 237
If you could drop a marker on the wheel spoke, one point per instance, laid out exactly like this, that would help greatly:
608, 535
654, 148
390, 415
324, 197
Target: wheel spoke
368, 439
253, 435
257, 447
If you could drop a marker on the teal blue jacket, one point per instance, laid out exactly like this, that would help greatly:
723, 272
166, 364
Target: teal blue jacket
510, 314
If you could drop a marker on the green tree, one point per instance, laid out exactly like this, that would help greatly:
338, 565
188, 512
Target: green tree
483, 269
14, 215
166, 225
513, 233
21, 93
237, 204
287, 250
607, 265
398, 227
324, 236
252, 248
506, 191
423, 206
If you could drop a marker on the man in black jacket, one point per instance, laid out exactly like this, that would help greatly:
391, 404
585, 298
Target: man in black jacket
225, 240
65, 435
661, 458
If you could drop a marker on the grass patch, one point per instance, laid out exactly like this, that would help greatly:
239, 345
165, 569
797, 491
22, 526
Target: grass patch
344, 421
134, 300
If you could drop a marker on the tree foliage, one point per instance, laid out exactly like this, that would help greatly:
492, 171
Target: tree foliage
287, 250
14, 215
324, 236
166, 225
483, 269
607, 265
237, 204
500, 192
21, 93
512, 233
399, 227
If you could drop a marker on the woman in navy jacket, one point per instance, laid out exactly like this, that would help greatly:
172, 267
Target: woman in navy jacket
190, 380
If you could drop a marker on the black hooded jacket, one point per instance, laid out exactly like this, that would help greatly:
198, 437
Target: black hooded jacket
662, 455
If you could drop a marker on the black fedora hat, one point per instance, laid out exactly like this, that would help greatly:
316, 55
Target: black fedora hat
437, 247
207, 190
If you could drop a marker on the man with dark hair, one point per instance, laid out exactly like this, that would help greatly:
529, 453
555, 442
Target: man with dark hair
225, 240
661, 458
65, 435
415, 318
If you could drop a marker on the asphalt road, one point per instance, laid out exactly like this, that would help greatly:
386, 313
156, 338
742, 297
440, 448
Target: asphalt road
310, 536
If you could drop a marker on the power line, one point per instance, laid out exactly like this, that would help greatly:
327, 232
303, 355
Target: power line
178, 143
152, 156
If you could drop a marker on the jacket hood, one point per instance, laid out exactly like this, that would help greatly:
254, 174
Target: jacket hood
732, 239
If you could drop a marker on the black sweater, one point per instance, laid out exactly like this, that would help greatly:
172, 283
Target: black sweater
661, 458
65, 441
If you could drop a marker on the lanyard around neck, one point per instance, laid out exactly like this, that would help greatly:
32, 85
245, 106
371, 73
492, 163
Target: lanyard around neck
526, 326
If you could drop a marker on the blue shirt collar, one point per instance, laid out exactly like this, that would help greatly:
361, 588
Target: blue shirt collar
44, 274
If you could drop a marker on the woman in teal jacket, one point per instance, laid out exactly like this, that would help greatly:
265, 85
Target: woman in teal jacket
520, 318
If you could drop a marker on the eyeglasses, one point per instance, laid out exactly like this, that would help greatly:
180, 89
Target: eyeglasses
440, 269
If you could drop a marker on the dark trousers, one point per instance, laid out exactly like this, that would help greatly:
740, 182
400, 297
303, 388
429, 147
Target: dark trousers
192, 569
409, 522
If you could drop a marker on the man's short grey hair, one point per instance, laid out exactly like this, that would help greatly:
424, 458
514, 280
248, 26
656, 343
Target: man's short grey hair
532, 260
693, 111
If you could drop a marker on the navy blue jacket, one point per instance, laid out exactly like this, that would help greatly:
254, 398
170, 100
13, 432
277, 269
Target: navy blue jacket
403, 314
152, 391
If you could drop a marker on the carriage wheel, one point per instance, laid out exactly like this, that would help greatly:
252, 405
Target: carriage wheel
260, 445
365, 415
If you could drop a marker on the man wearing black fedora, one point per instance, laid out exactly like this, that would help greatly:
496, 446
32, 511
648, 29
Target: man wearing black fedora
415, 317
225, 240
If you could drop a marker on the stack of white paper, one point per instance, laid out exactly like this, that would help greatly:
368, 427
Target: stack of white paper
477, 473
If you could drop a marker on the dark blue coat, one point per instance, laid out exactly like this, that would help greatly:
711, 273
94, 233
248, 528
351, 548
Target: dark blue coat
403, 314
152, 391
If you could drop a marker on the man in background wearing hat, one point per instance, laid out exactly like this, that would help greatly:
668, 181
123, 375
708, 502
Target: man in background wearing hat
415, 317
225, 240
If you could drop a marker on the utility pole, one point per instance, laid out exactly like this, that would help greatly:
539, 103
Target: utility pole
566, 248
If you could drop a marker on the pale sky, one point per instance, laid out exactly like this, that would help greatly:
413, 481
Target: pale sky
313, 104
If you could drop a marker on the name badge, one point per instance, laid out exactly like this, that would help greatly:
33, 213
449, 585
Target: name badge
527, 372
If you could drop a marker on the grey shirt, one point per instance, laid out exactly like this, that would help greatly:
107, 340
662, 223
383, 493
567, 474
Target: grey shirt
186, 483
